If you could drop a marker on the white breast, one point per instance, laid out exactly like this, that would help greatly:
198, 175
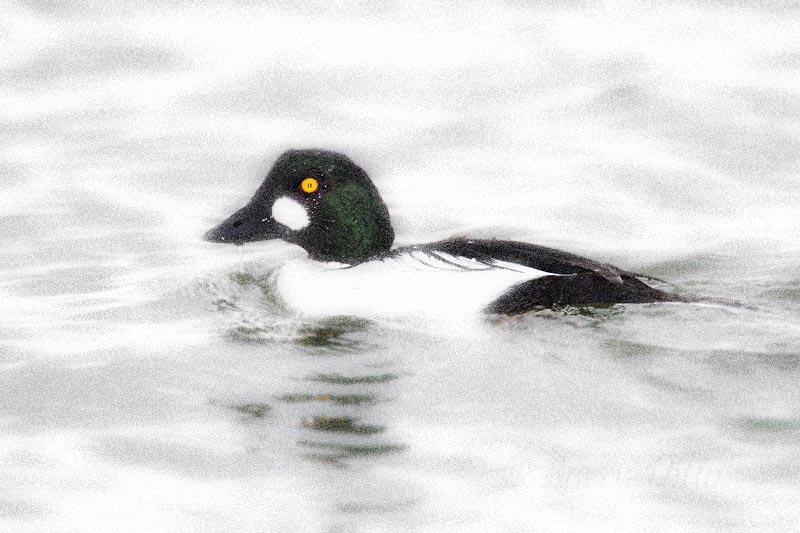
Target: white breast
412, 284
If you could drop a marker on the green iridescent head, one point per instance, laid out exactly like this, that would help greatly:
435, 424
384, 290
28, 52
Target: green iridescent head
319, 200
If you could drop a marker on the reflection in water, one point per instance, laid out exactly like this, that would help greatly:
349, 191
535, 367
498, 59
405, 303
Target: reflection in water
333, 333
258, 316
328, 334
255, 410
336, 454
338, 419
333, 419
337, 399
754, 427
580, 316
343, 424
385, 507
353, 380
335, 426
330, 409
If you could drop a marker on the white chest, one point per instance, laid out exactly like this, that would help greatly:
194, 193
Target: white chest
412, 285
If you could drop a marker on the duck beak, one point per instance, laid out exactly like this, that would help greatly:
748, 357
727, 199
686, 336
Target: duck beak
248, 224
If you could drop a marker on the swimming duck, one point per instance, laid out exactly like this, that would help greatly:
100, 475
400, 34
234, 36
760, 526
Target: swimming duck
326, 204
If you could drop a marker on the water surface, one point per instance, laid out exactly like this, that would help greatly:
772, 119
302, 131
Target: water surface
153, 382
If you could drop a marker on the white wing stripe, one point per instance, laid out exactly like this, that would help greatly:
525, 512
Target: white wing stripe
435, 264
421, 260
463, 263
522, 269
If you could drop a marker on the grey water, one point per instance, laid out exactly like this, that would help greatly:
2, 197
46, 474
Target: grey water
150, 381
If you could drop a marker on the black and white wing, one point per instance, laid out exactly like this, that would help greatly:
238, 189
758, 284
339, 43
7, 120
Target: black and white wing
559, 278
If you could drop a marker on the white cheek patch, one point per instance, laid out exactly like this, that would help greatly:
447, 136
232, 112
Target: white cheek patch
290, 213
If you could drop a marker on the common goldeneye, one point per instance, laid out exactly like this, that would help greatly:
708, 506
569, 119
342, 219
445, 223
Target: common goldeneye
326, 204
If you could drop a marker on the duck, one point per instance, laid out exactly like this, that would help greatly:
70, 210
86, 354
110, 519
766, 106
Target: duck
326, 204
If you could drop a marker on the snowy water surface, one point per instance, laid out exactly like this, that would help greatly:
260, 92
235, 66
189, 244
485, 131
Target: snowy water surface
150, 381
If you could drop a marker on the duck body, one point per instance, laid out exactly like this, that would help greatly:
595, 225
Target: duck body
458, 277
412, 281
326, 204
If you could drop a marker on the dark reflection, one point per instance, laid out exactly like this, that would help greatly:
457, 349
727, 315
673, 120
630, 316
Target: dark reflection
339, 418
223, 304
332, 412
246, 280
601, 311
260, 317
252, 334
767, 425
369, 508
250, 412
577, 316
353, 380
338, 454
320, 338
255, 410
336, 399
244, 297
342, 424
332, 333
340, 421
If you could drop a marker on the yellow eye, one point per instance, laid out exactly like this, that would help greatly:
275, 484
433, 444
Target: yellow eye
309, 185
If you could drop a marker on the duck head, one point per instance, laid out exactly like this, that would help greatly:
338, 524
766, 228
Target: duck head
319, 200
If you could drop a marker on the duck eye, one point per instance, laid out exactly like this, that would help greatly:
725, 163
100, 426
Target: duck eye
309, 185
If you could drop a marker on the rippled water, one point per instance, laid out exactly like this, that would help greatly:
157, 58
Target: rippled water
153, 382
